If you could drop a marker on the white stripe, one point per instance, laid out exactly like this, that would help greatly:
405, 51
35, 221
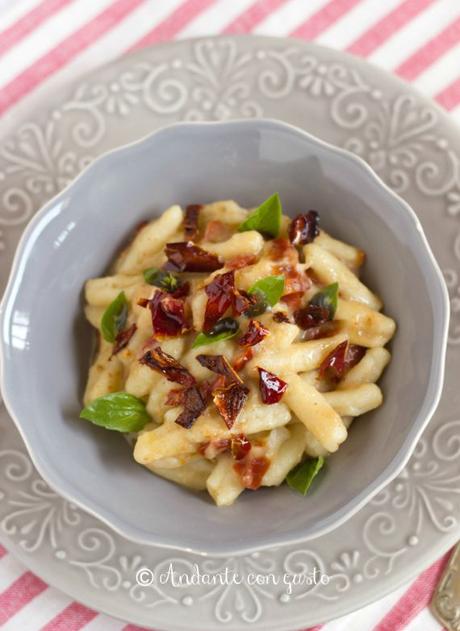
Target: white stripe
108, 47
288, 17
424, 621
441, 73
367, 617
13, 10
356, 22
104, 623
424, 26
47, 36
39, 611
215, 18
10, 571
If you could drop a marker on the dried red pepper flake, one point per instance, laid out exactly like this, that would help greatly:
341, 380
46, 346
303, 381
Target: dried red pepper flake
355, 353
282, 249
220, 293
240, 446
175, 397
280, 316
271, 387
322, 330
240, 261
217, 231
123, 338
255, 334
229, 401
304, 228
251, 471
184, 256
168, 314
158, 360
311, 316
241, 360
294, 281
220, 365
212, 448
182, 291
241, 302
194, 406
340, 360
192, 212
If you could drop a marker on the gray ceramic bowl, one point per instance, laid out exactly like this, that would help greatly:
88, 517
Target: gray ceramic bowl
46, 343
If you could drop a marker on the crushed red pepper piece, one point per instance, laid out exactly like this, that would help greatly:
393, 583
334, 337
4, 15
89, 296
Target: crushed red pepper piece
123, 338
168, 314
194, 404
240, 446
311, 316
271, 387
255, 334
251, 471
158, 360
340, 360
241, 360
279, 316
229, 401
220, 365
304, 229
184, 256
220, 293
192, 212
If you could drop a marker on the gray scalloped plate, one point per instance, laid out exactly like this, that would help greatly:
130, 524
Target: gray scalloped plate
415, 148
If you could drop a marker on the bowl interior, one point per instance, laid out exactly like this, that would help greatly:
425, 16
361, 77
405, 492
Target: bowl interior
47, 343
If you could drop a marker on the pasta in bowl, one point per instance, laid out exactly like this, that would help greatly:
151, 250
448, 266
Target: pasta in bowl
46, 341
235, 346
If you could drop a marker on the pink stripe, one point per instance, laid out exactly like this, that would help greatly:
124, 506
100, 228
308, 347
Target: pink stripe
253, 16
29, 22
324, 18
416, 598
72, 618
66, 50
18, 594
174, 23
132, 627
387, 26
450, 96
429, 52
3, 551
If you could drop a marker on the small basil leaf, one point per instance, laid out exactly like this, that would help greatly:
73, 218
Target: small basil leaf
266, 218
271, 288
327, 299
118, 411
114, 318
223, 330
161, 278
301, 476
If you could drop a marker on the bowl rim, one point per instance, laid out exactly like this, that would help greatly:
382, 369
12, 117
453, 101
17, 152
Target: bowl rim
427, 406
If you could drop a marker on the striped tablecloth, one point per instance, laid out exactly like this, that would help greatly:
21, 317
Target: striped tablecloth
44, 43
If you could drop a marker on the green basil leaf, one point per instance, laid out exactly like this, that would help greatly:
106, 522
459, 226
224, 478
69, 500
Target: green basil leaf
119, 411
271, 288
301, 476
327, 299
224, 329
266, 218
114, 318
161, 278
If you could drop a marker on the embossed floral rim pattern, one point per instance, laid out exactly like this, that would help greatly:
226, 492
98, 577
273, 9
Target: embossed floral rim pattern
415, 149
